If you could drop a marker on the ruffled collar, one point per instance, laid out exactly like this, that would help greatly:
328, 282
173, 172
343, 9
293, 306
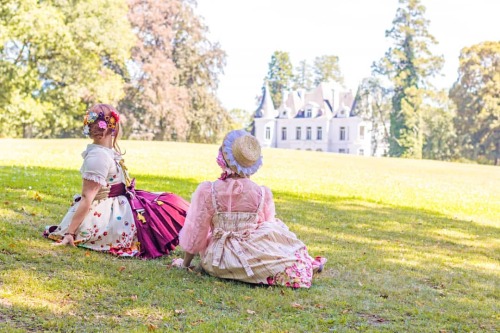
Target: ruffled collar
109, 151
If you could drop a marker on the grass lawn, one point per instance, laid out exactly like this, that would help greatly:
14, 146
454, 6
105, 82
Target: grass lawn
412, 246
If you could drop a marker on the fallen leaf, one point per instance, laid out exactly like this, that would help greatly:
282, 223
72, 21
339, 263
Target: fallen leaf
282, 292
133, 297
37, 197
122, 268
152, 327
6, 202
200, 302
384, 296
345, 311
179, 311
297, 306
319, 306
250, 311
247, 298
360, 284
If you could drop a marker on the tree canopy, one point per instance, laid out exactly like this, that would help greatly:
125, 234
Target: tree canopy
56, 58
477, 97
408, 65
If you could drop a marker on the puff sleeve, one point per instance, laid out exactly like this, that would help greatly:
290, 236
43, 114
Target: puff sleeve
269, 208
96, 166
194, 235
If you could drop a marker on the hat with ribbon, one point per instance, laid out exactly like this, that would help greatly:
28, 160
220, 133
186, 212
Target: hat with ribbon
241, 153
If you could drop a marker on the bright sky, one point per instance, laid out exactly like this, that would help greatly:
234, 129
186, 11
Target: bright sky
250, 31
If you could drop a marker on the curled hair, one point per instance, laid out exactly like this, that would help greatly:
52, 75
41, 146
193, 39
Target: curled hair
95, 132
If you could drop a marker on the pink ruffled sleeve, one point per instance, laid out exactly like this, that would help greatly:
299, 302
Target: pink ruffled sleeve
269, 208
193, 237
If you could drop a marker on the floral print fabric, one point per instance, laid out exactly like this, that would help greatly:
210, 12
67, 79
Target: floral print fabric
241, 247
109, 224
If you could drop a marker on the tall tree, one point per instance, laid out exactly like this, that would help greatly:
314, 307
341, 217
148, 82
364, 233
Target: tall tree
159, 104
57, 57
177, 68
327, 68
408, 65
279, 77
303, 77
477, 97
199, 62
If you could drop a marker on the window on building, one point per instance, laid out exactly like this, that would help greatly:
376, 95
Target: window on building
319, 134
342, 134
341, 151
283, 133
319, 149
298, 133
268, 133
361, 152
308, 133
361, 132
309, 112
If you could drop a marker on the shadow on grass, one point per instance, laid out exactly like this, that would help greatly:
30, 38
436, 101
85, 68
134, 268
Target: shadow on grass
389, 267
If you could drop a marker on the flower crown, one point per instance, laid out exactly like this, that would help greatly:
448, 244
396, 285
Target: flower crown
103, 121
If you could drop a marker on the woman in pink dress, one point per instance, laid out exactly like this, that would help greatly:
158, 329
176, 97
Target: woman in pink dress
231, 223
110, 214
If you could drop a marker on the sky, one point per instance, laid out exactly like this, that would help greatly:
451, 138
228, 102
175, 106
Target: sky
249, 31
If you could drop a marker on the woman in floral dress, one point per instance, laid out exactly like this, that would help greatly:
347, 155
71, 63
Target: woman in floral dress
110, 214
231, 223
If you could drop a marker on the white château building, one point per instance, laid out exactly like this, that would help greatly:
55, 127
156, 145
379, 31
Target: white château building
322, 119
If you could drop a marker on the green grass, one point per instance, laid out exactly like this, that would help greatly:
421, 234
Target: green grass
412, 246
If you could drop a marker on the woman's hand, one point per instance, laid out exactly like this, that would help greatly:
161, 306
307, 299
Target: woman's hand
67, 240
180, 263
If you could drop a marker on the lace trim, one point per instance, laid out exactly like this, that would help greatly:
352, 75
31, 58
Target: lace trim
95, 178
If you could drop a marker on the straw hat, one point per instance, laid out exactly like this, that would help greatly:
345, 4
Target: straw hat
242, 152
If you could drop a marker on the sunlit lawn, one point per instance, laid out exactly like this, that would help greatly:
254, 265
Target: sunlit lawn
412, 246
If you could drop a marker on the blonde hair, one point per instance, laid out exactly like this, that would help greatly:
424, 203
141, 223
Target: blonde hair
96, 132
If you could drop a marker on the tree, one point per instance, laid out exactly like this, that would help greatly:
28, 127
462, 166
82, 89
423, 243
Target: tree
437, 126
327, 68
241, 119
159, 104
199, 63
408, 65
279, 76
372, 103
303, 77
56, 58
477, 97
176, 66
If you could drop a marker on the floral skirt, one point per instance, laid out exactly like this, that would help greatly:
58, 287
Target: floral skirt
108, 226
267, 253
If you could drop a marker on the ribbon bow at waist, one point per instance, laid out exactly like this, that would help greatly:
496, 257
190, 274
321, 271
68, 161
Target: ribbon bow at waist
233, 239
